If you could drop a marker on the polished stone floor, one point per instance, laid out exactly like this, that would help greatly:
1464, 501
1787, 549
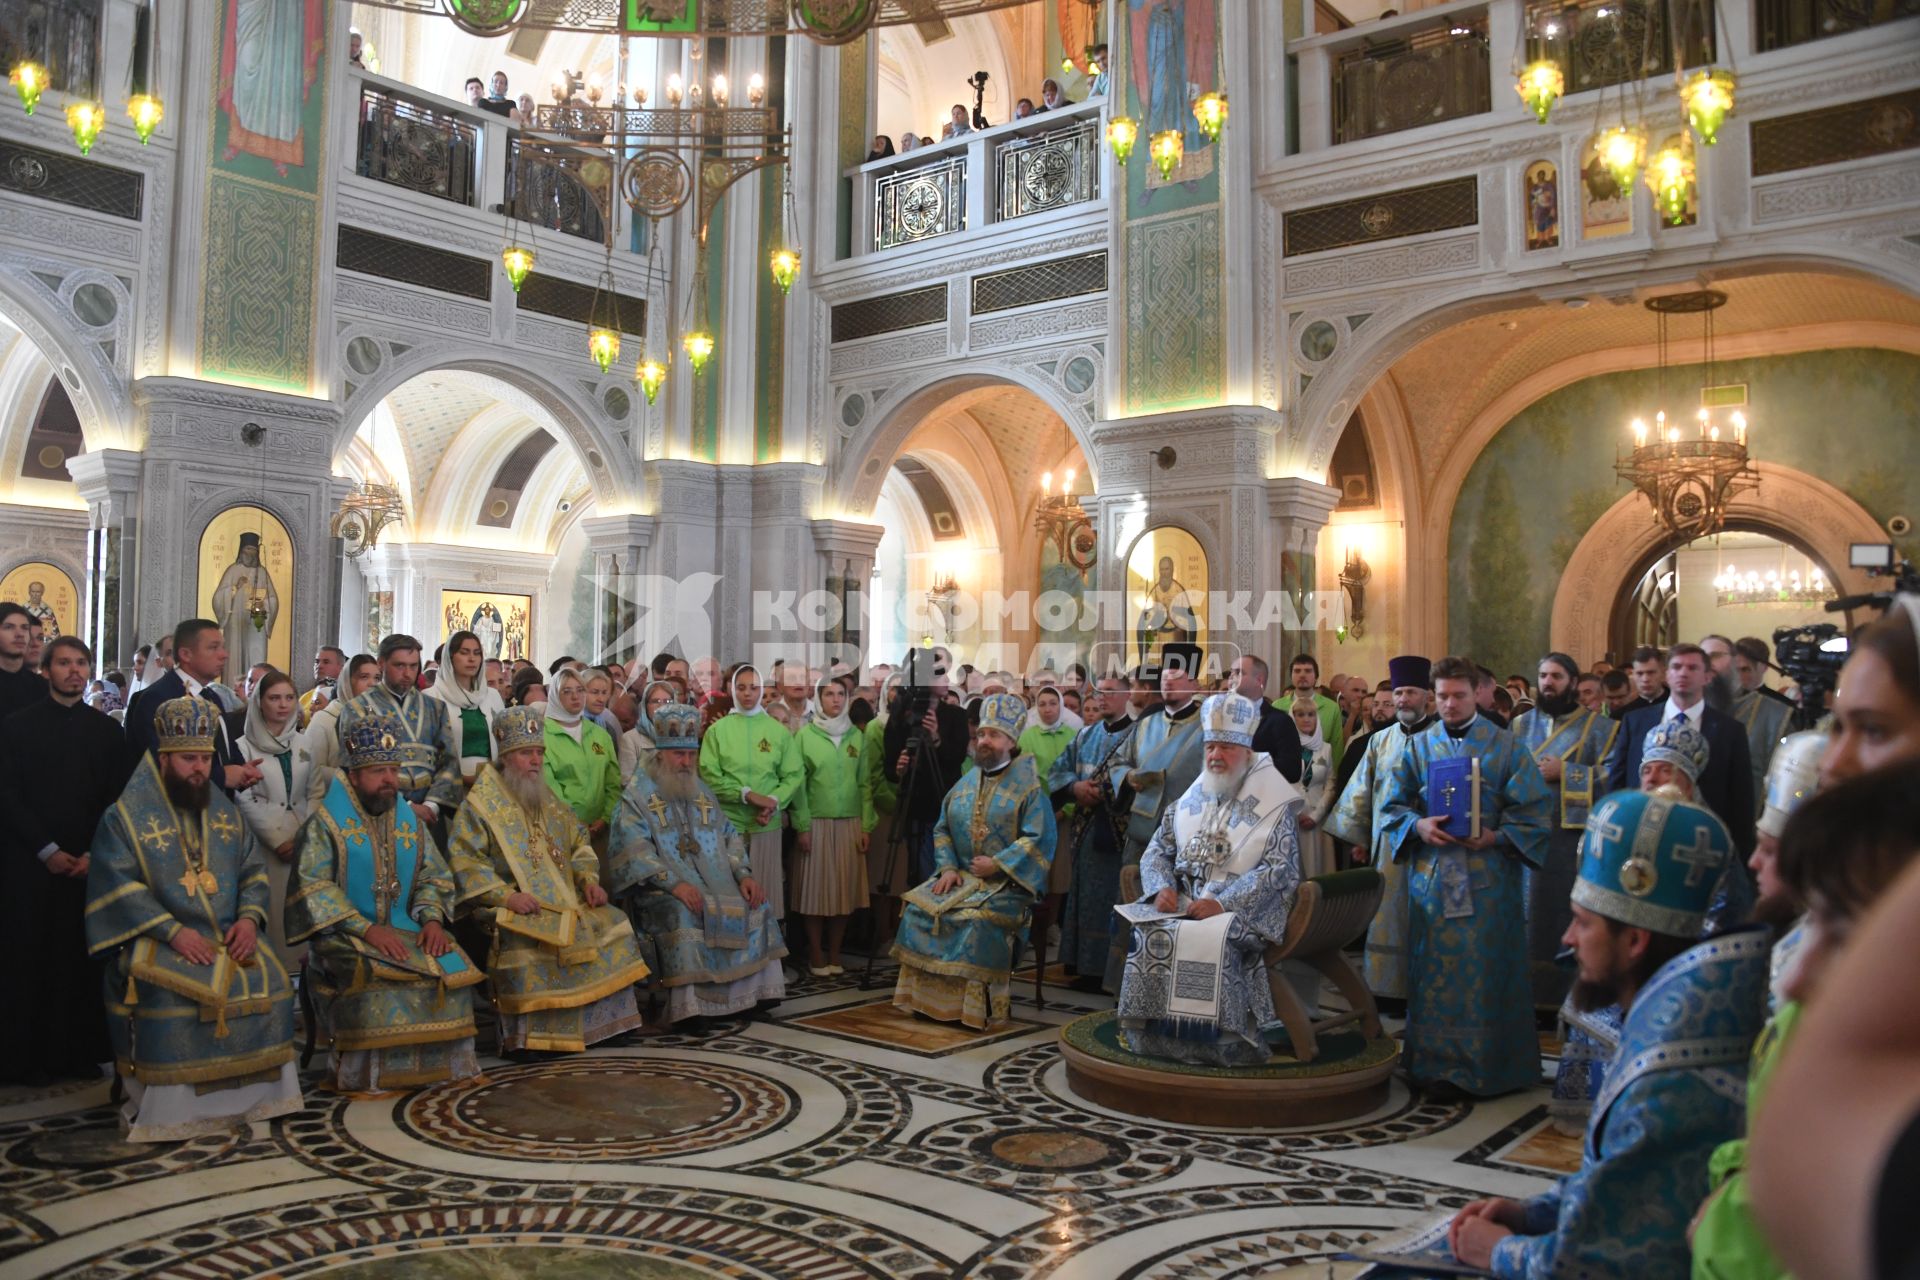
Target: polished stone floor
838, 1139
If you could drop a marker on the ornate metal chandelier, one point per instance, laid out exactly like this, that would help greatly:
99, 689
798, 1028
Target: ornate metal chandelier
827, 21
1690, 474
364, 513
1061, 520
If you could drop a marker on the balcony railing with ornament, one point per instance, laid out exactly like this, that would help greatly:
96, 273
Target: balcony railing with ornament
1413, 76
1781, 23
407, 142
1043, 164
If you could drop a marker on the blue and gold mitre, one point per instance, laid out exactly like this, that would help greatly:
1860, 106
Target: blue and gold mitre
1792, 775
186, 724
1678, 743
676, 727
371, 741
1652, 861
1005, 712
518, 727
1228, 717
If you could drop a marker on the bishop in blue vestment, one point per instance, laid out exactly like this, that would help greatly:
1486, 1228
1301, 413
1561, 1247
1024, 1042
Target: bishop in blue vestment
1676, 1089
992, 848
1078, 778
1470, 1025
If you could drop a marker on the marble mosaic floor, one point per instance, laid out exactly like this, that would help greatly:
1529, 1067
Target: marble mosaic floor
838, 1139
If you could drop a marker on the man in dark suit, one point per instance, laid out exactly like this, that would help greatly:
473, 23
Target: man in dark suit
1276, 734
199, 656
1726, 786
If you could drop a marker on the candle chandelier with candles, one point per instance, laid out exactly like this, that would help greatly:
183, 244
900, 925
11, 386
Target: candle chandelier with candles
1732, 588
1689, 470
1061, 520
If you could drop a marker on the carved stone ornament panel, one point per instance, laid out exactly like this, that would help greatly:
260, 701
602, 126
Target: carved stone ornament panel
395, 302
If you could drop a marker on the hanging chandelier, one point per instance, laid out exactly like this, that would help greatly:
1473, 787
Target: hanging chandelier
1062, 521
1689, 474
86, 119
825, 21
1734, 589
364, 513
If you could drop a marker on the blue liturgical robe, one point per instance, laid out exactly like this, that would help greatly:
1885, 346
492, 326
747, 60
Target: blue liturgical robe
1356, 819
1167, 752
154, 872
1676, 1089
1086, 934
1581, 740
432, 767
1469, 1003
956, 950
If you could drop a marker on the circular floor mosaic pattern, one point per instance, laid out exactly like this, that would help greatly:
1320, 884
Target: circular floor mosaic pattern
601, 1109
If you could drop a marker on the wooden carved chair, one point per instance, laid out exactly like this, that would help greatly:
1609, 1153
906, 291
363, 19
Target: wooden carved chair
1329, 912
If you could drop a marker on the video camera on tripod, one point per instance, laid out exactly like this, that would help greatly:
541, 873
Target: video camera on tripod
1812, 655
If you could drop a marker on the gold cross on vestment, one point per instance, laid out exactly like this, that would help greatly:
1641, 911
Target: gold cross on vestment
156, 832
352, 830
404, 838
706, 808
224, 826
658, 807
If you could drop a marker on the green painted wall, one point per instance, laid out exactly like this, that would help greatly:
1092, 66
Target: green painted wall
1844, 416
262, 219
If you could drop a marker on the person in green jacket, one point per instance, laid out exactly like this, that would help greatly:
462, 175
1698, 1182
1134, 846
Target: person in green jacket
583, 764
832, 818
1303, 675
753, 766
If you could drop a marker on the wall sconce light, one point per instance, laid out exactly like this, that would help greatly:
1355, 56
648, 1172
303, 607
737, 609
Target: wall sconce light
1353, 580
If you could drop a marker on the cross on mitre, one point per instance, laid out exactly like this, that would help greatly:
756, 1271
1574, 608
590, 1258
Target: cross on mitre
1699, 856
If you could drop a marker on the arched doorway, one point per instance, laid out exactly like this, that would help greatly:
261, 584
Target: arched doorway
1673, 595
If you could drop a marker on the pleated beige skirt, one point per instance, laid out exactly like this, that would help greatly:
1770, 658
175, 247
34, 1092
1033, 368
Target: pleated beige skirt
832, 879
763, 863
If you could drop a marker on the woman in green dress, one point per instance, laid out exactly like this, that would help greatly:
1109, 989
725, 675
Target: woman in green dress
832, 818
471, 703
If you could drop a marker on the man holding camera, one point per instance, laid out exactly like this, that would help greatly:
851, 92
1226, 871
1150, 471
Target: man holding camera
919, 720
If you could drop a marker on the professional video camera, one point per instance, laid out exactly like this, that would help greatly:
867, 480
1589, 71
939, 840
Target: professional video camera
978, 83
1879, 560
1812, 655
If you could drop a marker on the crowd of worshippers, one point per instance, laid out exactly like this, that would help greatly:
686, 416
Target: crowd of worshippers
1672, 880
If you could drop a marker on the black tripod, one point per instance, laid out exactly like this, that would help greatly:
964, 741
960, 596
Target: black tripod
904, 834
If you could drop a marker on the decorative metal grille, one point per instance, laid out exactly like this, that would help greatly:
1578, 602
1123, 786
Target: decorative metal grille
1788, 22
840, 21
1603, 42
1434, 73
372, 254
1040, 282
1048, 170
890, 313
1851, 131
61, 35
410, 144
1412, 211
562, 191
67, 179
911, 205
566, 300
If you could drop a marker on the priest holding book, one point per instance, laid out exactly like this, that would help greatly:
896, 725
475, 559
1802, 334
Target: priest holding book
1464, 807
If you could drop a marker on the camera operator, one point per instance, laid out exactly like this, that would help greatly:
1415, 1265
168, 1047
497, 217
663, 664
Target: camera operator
1876, 704
942, 727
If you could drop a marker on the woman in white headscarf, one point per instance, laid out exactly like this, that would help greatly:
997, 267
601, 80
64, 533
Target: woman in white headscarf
636, 744
471, 704
1316, 784
832, 818
276, 806
753, 766
583, 765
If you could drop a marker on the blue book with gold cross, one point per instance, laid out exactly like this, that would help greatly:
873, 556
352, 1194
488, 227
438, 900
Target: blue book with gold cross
1453, 792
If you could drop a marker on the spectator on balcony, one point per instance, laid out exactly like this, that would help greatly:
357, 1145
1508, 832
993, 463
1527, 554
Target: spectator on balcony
909, 142
1023, 109
523, 116
476, 92
354, 43
1051, 99
882, 147
497, 101
959, 125
1100, 73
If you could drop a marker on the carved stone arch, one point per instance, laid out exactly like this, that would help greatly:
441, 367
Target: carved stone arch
1397, 327
862, 461
572, 419
95, 381
1789, 504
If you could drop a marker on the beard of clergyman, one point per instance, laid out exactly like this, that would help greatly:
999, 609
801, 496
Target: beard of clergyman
673, 782
1222, 784
1596, 993
1558, 704
188, 796
1721, 689
529, 790
988, 758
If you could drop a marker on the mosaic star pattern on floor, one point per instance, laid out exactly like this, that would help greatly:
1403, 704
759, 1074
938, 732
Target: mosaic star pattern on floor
838, 1140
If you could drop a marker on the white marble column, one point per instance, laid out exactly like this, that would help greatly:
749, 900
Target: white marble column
109, 480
